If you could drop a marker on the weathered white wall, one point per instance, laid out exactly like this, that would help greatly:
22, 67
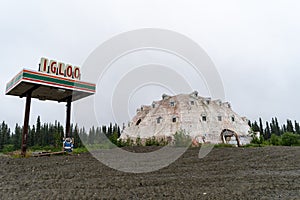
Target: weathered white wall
189, 118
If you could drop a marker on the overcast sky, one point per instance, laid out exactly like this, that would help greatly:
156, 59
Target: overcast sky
255, 45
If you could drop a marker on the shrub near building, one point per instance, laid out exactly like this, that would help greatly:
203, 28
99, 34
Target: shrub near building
290, 139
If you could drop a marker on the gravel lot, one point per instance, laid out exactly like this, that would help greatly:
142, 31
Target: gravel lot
226, 173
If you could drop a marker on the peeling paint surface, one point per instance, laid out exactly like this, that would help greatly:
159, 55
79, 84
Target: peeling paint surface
203, 119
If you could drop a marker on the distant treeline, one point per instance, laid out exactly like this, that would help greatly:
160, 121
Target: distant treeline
274, 134
273, 127
48, 134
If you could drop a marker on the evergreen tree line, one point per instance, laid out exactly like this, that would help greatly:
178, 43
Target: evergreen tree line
39, 135
99, 135
48, 134
275, 133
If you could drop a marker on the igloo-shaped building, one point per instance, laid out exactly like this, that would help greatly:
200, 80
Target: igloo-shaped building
203, 119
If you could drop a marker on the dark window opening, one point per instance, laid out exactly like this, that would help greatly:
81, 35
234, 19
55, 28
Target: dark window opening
219, 118
158, 120
204, 118
232, 119
174, 119
192, 103
138, 122
172, 103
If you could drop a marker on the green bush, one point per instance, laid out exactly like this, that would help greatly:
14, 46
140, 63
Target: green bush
8, 148
80, 150
153, 141
138, 141
163, 142
125, 143
275, 140
256, 140
182, 139
289, 139
114, 138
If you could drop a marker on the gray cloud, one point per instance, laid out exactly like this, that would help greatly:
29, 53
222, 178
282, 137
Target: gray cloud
253, 44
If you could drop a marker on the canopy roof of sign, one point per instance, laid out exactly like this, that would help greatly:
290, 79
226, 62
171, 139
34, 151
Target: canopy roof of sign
48, 87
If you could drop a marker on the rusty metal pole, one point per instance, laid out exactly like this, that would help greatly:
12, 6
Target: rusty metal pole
68, 118
26, 122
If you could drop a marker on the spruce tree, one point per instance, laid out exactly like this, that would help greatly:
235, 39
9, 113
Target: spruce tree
57, 136
267, 131
261, 127
77, 141
297, 127
278, 130
4, 135
38, 139
91, 136
104, 129
17, 139
289, 126
284, 128
275, 129
83, 135
98, 136
31, 137
255, 127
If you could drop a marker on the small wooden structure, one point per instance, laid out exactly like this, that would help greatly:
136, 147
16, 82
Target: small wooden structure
46, 86
42, 154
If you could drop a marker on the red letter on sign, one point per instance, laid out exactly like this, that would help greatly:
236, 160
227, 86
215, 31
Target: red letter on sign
53, 68
43, 65
61, 69
77, 73
69, 71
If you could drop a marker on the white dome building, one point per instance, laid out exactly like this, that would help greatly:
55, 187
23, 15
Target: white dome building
203, 119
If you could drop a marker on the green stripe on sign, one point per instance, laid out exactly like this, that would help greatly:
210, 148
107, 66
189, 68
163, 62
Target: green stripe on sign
13, 81
59, 81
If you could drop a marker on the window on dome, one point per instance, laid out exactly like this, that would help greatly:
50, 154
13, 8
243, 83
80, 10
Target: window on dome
232, 118
174, 119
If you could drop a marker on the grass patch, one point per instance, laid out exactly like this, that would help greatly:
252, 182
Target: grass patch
80, 150
17, 154
253, 145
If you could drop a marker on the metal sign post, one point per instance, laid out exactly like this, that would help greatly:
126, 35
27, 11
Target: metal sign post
26, 122
55, 81
68, 118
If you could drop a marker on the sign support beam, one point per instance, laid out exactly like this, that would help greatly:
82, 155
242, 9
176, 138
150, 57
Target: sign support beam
43, 85
68, 118
26, 122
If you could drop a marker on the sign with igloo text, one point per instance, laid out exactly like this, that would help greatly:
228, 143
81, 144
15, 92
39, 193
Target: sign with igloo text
59, 68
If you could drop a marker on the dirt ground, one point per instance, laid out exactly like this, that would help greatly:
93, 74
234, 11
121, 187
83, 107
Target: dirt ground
226, 173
